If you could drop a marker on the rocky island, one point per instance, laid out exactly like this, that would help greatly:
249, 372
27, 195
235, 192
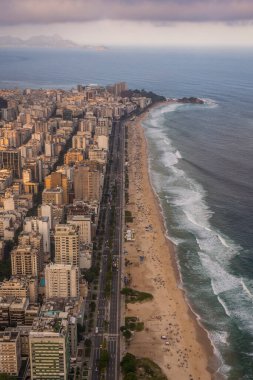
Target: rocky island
191, 100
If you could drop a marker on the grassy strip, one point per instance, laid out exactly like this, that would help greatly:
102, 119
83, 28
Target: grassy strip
133, 296
132, 323
128, 217
103, 360
142, 368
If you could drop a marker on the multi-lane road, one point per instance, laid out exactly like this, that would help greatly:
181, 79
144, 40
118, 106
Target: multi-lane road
109, 309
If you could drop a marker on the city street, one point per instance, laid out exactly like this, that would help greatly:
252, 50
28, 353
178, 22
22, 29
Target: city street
109, 309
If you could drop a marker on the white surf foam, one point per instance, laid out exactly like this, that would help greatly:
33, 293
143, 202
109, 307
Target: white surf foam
193, 215
246, 289
224, 306
178, 155
210, 102
223, 241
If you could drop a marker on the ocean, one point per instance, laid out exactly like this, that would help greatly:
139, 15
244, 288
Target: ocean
201, 165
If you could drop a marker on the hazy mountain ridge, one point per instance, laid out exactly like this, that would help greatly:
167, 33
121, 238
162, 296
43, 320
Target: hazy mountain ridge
41, 41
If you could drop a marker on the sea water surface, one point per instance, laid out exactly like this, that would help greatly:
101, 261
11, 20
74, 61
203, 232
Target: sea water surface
201, 165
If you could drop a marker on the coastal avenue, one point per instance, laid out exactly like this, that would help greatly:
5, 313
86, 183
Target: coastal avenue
111, 311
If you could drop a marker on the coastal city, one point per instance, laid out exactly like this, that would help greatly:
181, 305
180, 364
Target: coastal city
63, 183
126, 244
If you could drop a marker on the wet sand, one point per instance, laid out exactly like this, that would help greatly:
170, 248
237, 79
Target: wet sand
186, 353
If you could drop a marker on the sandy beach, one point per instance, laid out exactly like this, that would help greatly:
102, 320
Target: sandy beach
186, 352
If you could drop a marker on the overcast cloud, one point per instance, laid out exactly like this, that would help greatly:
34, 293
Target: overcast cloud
14, 12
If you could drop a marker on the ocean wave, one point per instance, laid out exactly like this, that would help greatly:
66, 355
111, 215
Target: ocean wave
172, 107
223, 241
210, 102
178, 155
191, 213
224, 306
246, 289
221, 280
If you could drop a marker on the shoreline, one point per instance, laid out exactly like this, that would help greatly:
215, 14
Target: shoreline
200, 345
202, 333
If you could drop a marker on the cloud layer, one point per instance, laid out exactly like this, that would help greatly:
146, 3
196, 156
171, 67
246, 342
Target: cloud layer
13, 12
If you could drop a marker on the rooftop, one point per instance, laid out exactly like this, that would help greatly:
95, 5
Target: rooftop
49, 324
8, 336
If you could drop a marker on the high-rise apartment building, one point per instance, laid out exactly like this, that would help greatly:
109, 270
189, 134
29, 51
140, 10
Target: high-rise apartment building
25, 261
11, 159
53, 196
23, 287
49, 349
73, 156
62, 281
79, 141
17, 311
118, 88
66, 244
103, 142
35, 240
87, 183
41, 225
14, 287
84, 222
97, 154
58, 179
10, 352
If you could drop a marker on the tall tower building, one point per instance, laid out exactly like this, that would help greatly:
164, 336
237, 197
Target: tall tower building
11, 159
35, 240
87, 183
10, 352
53, 196
41, 225
62, 281
79, 141
25, 261
84, 222
49, 349
58, 179
66, 244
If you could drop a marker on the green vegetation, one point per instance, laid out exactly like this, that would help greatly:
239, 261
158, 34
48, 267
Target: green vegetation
5, 376
108, 282
142, 93
57, 325
131, 324
91, 274
80, 332
127, 334
133, 296
126, 180
130, 376
87, 342
128, 364
87, 352
92, 306
106, 325
143, 368
103, 360
128, 217
134, 324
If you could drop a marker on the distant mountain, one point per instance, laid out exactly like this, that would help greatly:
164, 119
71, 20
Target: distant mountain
55, 42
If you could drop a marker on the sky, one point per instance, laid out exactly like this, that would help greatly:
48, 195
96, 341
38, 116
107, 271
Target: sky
132, 22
